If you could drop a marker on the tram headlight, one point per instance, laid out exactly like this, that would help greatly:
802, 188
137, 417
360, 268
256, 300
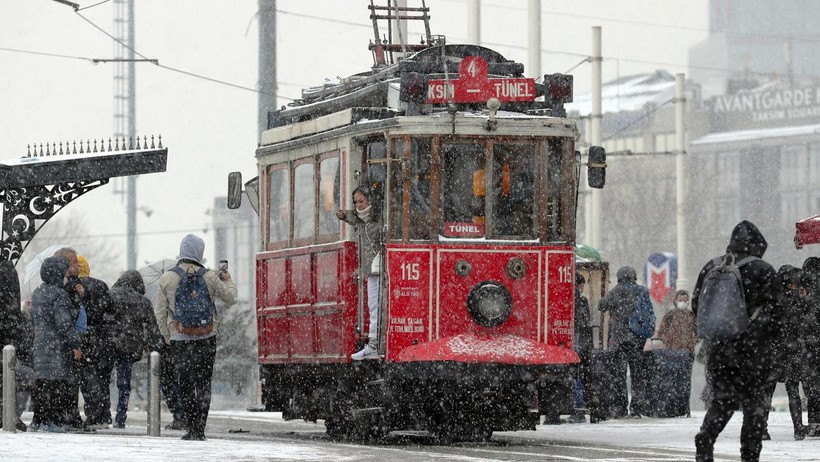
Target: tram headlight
489, 303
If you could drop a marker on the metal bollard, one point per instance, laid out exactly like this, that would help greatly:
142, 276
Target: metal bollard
9, 386
153, 394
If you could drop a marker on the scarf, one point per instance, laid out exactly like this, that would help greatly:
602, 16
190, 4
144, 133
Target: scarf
364, 215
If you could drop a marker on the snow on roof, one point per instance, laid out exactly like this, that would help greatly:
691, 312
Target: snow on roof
757, 134
629, 93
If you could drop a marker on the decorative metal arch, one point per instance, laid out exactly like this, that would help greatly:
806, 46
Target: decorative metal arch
39, 185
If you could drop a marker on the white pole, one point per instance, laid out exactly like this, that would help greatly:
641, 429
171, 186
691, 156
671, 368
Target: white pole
535, 38
474, 22
680, 173
9, 387
594, 217
154, 377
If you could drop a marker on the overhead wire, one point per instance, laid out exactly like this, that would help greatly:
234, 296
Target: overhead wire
191, 74
41, 53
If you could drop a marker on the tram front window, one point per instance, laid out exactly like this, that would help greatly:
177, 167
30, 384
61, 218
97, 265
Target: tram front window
462, 190
513, 190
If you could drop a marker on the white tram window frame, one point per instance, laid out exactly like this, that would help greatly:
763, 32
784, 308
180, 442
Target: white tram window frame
278, 179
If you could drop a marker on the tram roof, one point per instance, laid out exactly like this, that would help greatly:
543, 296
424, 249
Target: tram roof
380, 87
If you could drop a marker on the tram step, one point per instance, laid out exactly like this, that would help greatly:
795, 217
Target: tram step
367, 410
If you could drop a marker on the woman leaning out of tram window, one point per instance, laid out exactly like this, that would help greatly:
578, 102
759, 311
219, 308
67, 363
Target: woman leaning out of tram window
367, 220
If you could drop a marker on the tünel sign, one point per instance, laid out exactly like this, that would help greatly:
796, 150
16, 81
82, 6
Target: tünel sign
474, 86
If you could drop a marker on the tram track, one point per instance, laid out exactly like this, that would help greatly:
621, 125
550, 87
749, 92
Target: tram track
419, 446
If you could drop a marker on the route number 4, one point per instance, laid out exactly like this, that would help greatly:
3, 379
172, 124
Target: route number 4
410, 272
472, 68
565, 274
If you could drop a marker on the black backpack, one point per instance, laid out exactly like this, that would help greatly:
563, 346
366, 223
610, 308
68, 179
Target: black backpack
722, 313
193, 308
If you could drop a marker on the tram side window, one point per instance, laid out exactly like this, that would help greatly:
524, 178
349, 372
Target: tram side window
419, 170
513, 190
554, 190
462, 190
279, 224
304, 201
329, 196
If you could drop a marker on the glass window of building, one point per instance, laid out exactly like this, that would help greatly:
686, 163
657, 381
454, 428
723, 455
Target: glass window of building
793, 168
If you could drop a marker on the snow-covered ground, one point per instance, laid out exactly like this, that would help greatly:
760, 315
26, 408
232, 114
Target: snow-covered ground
676, 434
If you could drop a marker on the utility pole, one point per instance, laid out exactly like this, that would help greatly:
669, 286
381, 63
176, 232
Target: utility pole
267, 63
594, 215
125, 110
474, 22
680, 175
535, 37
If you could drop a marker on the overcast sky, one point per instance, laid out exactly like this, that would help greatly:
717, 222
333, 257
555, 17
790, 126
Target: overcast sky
210, 128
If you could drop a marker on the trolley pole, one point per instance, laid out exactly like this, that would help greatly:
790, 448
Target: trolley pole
680, 174
153, 394
594, 215
9, 385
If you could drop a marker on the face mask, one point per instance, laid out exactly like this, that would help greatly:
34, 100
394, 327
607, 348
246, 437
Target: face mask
682, 305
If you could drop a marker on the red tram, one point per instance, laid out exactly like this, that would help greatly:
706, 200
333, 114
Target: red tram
478, 180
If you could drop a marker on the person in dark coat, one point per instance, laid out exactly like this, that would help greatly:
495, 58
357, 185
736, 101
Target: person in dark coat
791, 345
620, 303
740, 368
811, 384
133, 330
56, 346
91, 302
583, 346
12, 333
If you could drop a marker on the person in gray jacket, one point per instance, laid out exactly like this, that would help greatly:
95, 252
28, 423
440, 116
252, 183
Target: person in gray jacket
56, 346
366, 219
193, 356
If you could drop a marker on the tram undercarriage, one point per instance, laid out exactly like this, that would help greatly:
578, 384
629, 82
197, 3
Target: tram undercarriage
451, 401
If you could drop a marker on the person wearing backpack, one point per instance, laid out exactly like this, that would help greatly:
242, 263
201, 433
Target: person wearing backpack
631, 322
133, 330
187, 319
739, 360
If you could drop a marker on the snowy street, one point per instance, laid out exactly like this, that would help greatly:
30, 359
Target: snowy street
247, 436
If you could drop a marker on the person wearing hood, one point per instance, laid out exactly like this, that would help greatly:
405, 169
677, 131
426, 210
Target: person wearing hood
620, 302
366, 219
133, 329
56, 346
740, 368
192, 354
